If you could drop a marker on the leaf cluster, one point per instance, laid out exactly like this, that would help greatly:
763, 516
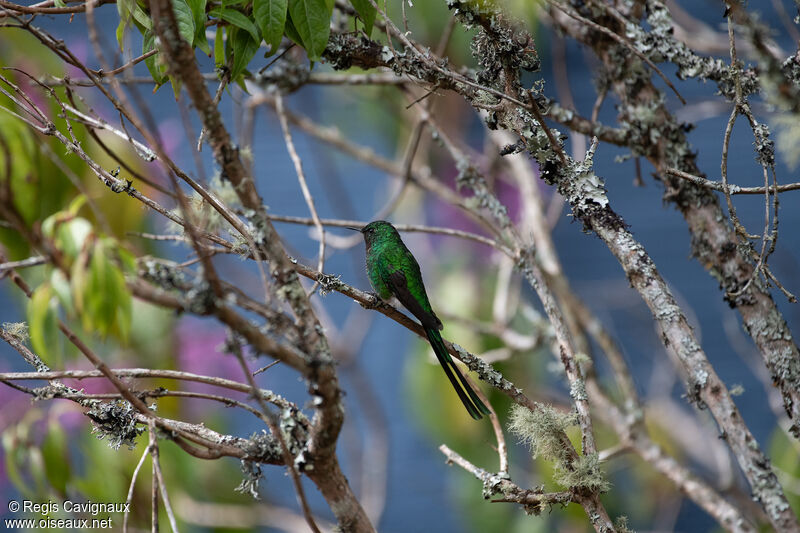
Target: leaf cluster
241, 28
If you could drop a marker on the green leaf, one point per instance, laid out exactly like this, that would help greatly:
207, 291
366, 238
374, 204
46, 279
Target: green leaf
128, 260
185, 19
176, 86
13, 450
142, 18
124, 8
292, 33
244, 48
43, 324
270, 16
99, 312
366, 12
312, 19
202, 43
56, 457
106, 298
59, 3
239, 20
219, 47
71, 236
198, 8
61, 288
157, 71
78, 280
120, 33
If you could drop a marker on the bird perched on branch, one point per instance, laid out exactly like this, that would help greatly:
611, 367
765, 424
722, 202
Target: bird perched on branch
393, 271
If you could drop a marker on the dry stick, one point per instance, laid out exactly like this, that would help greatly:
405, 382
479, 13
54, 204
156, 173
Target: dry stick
123, 389
511, 492
276, 430
375, 454
768, 242
209, 272
138, 373
536, 278
35, 9
428, 62
67, 56
24, 263
547, 256
314, 78
740, 229
732, 189
126, 66
153, 490
154, 393
238, 447
157, 472
129, 499
301, 178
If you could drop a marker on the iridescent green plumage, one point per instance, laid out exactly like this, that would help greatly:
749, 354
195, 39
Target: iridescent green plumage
393, 271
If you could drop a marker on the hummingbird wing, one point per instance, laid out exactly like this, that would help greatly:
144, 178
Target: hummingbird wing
397, 282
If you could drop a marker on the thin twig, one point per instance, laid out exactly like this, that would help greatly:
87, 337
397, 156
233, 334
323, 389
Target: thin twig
129, 499
157, 472
301, 178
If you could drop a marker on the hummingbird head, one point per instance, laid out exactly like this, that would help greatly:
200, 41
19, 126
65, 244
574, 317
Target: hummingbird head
377, 231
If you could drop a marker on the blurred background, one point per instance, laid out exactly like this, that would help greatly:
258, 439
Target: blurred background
399, 405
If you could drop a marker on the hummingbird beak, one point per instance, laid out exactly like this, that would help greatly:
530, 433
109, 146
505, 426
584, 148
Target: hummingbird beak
354, 229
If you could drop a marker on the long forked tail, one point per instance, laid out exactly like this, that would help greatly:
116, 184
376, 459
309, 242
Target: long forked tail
475, 407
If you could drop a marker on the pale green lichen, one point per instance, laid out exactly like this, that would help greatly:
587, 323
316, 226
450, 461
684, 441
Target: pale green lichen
543, 430
585, 473
18, 330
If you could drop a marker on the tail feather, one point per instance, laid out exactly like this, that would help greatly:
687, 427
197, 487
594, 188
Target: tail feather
475, 407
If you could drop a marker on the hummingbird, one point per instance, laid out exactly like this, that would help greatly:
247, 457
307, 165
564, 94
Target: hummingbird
393, 271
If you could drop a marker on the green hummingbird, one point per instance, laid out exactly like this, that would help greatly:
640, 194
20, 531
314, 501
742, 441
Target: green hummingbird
393, 271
